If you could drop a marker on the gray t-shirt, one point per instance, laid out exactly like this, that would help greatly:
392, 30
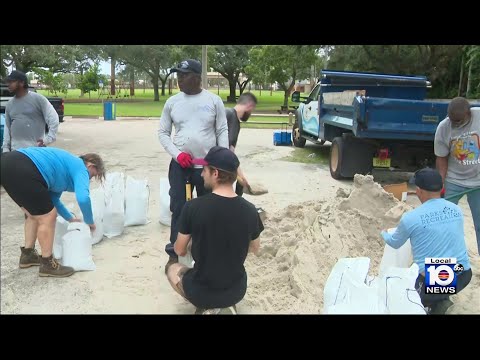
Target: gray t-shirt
462, 146
200, 124
25, 120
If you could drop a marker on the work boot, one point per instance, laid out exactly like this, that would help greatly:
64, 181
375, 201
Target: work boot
171, 260
51, 267
231, 310
29, 257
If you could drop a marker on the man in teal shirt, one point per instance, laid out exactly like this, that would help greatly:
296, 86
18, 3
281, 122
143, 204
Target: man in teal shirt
435, 229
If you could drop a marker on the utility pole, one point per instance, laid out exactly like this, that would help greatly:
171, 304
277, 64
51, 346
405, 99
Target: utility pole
204, 67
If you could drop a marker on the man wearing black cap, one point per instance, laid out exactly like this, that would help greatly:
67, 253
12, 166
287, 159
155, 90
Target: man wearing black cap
435, 230
200, 123
26, 115
223, 229
457, 147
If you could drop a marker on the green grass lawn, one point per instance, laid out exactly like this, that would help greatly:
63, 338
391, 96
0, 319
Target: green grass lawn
304, 155
148, 107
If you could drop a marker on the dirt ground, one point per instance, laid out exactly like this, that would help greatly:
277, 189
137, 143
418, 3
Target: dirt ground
130, 268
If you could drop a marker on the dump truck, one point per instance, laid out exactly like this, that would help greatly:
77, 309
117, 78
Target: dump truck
372, 121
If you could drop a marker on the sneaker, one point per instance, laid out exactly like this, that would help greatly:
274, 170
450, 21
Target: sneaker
171, 260
231, 310
51, 267
29, 257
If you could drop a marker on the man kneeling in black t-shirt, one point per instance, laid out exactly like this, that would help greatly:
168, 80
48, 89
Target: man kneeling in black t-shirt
223, 228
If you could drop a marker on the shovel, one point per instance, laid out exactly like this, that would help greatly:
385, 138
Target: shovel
253, 189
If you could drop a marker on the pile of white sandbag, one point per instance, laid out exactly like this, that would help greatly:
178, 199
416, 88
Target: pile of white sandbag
124, 204
114, 206
350, 290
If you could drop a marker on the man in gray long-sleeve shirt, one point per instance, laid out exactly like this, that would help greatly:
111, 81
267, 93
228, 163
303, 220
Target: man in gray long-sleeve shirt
200, 124
26, 115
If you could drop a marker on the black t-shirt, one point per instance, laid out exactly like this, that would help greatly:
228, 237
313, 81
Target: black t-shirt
221, 230
233, 126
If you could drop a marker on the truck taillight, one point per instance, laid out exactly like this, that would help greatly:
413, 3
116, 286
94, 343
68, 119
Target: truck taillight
383, 153
61, 105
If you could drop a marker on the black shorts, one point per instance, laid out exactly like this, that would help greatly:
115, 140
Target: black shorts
22, 180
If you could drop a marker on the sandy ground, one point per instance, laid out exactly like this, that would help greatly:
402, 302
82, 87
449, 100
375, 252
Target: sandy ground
302, 202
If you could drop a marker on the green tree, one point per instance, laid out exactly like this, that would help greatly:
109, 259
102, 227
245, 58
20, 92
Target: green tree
155, 60
440, 63
230, 61
285, 64
54, 82
112, 53
90, 80
57, 58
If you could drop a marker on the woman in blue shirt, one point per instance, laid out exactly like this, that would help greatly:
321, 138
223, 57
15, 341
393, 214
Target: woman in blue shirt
35, 178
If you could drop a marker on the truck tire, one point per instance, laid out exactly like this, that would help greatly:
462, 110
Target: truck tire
297, 139
336, 157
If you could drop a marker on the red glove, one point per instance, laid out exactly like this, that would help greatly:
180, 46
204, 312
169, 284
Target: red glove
442, 193
185, 160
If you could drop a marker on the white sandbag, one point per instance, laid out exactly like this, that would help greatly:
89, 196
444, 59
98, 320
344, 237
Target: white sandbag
392, 293
114, 216
77, 247
97, 198
61, 227
397, 291
137, 194
401, 257
335, 290
359, 297
165, 213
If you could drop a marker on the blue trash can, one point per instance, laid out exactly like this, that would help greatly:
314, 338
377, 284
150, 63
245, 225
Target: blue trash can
2, 122
109, 110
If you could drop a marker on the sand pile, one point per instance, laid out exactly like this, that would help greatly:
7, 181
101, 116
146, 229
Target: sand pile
301, 244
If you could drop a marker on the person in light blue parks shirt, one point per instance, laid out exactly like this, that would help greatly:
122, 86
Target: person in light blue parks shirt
435, 229
35, 178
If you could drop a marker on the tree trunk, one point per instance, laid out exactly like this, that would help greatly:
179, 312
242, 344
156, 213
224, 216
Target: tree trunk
286, 95
243, 85
132, 82
460, 82
469, 79
164, 82
82, 93
112, 76
232, 83
155, 89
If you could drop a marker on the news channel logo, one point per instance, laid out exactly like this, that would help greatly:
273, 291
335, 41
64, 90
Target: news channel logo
441, 275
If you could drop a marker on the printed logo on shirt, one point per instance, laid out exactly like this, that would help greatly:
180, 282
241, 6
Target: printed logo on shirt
466, 148
445, 215
205, 108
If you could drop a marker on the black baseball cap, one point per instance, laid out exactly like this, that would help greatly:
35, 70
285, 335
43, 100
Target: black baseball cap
429, 179
17, 75
220, 158
188, 66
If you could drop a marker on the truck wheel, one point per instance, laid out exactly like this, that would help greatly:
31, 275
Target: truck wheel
297, 139
336, 157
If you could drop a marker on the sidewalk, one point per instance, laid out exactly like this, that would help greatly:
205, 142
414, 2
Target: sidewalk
158, 118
